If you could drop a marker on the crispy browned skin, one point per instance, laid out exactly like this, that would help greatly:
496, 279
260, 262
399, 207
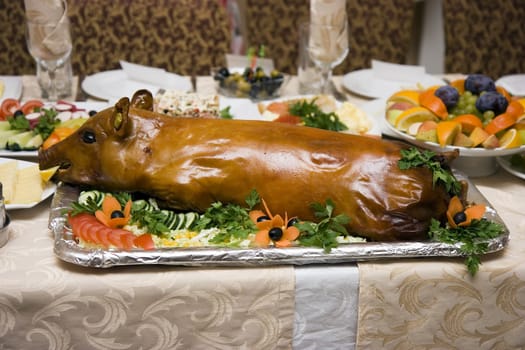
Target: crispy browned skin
191, 163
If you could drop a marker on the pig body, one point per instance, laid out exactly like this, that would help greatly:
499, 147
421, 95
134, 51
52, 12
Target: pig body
190, 163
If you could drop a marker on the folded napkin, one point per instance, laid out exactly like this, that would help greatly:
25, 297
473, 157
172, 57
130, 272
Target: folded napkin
241, 61
151, 75
48, 27
397, 72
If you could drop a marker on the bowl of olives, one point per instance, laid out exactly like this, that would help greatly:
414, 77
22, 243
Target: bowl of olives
255, 84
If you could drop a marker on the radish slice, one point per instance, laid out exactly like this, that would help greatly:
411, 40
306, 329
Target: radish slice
63, 107
64, 116
80, 114
34, 115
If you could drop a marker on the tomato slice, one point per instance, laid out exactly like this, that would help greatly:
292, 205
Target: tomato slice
30, 106
114, 239
8, 108
126, 238
288, 118
144, 241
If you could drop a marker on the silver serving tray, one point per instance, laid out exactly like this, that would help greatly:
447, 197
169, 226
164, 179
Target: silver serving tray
67, 249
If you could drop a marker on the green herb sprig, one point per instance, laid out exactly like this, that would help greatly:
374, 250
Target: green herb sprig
473, 238
47, 122
233, 220
414, 157
314, 117
324, 233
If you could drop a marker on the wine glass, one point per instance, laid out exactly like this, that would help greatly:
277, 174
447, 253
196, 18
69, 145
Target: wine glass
50, 45
328, 47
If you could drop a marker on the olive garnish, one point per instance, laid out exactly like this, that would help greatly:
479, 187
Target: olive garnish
275, 233
460, 217
117, 214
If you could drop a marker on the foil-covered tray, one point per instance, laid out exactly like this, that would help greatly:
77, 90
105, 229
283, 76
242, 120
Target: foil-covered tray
67, 249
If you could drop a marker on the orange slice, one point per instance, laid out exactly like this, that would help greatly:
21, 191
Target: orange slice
504, 92
459, 84
522, 101
501, 122
447, 131
515, 108
432, 102
468, 122
413, 115
510, 139
410, 96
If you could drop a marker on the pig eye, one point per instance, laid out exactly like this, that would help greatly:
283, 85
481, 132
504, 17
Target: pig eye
88, 137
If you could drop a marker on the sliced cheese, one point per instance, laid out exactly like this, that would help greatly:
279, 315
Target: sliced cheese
29, 185
8, 172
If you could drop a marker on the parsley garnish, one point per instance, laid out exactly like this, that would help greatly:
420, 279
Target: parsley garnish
225, 113
18, 122
47, 122
473, 238
313, 116
323, 234
413, 157
232, 220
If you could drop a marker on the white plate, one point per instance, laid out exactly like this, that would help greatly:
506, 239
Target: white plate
246, 109
364, 83
88, 106
48, 190
13, 87
114, 84
463, 151
504, 162
375, 110
515, 84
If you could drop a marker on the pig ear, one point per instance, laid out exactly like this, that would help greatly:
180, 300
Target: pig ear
119, 120
142, 99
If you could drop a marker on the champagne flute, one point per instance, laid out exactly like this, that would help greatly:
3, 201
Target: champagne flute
328, 47
50, 45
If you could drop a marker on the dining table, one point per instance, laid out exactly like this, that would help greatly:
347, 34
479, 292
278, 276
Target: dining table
388, 303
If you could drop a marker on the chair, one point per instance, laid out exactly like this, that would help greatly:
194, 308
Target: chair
381, 30
484, 36
181, 36
14, 56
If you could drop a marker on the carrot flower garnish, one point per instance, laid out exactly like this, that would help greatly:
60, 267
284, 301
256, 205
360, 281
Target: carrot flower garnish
112, 214
273, 228
458, 215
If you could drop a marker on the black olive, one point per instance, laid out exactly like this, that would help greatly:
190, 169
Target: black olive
18, 113
224, 72
92, 113
89, 137
460, 217
275, 233
117, 214
292, 222
263, 218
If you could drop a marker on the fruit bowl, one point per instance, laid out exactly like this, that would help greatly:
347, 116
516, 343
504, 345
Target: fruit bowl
255, 84
473, 115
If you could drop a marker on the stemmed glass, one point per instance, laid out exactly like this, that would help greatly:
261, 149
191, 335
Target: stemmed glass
50, 45
328, 47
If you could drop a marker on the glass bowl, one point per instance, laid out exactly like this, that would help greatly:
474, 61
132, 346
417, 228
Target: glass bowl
256, 85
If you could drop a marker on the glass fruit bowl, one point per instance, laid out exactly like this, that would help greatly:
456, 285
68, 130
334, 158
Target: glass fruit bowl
255, 84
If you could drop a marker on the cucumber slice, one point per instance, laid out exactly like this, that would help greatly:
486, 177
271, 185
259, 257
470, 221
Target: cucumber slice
35, 142
4, 125
96, 196
17, 142
6, 134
